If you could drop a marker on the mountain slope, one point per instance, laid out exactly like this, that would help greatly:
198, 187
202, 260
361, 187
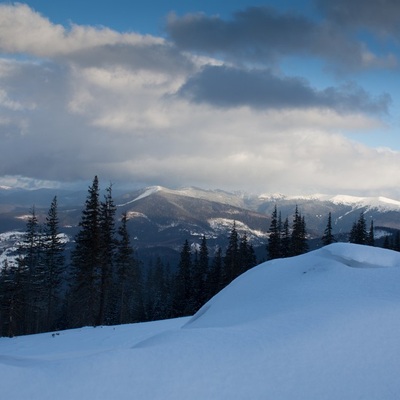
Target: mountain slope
161, 219
319, 326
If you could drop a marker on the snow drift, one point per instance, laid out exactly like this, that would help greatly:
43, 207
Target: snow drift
324, 325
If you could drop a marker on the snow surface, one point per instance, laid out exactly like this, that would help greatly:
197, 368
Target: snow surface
380, 203
324, 325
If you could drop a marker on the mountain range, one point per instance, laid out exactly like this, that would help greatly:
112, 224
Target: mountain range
161, 219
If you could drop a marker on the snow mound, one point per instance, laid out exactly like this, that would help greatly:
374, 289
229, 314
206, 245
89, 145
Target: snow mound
321, 326
313, 281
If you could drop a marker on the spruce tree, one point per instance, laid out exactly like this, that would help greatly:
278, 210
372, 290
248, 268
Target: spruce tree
157, 301
183, 296
370, 238
247, 255
107, 295
200, 271
274, 239
30, 274
54, 265
128, 290
286, 239
231, 260
86, 263
358, 233
327, 237
299, 235
214, 276
9, 310
386, 243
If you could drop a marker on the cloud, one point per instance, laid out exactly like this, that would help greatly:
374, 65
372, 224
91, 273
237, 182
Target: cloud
381, 16
83, 101
262, 35
232, 87
22, 30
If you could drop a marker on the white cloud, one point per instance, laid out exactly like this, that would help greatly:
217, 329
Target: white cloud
74, 114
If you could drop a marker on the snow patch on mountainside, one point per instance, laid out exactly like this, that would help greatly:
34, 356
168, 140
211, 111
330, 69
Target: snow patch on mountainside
135, 214
379, 203
224, 224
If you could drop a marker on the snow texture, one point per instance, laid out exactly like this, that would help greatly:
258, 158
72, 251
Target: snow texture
324, 325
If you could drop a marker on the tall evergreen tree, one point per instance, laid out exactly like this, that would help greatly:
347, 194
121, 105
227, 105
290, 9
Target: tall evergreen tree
157, 302
286, 239
86, 262
386, 242
231, 260
370, 238
107, 249
183, 296
10, 295
247, 257
299, 235
214, 276
328, 237
358, 233
54, 265
200, 271
30, 274
274, 239
129, 305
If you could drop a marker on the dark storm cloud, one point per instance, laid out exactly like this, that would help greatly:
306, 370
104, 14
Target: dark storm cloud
226, 87
262, 34
382, 16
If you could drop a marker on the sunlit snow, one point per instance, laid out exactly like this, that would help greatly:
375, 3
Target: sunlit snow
324, 325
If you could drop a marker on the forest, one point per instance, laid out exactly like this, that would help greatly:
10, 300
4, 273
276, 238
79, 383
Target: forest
103, 282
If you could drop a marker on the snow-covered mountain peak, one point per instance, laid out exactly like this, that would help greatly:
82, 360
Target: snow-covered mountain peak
272, 196
381, 203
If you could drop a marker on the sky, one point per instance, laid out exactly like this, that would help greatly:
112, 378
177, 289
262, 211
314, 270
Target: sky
265, 96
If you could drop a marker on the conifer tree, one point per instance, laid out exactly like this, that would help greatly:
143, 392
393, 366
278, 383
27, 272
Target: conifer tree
128, 290
327, 237
107, 248
231, 260
247, 255
183, 296
358, 233
286, 239
274, 239
9, 307
386, 243
299, 236
214, 276
370, 238
157, 302
53, 264
200, 271
30, 274
86, 261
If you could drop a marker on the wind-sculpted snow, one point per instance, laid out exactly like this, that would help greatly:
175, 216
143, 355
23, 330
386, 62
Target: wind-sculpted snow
321, 326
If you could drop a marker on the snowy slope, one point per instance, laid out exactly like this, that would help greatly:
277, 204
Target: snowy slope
324, 325
379, 203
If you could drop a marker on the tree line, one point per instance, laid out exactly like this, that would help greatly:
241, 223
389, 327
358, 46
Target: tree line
287, 241
104, 282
